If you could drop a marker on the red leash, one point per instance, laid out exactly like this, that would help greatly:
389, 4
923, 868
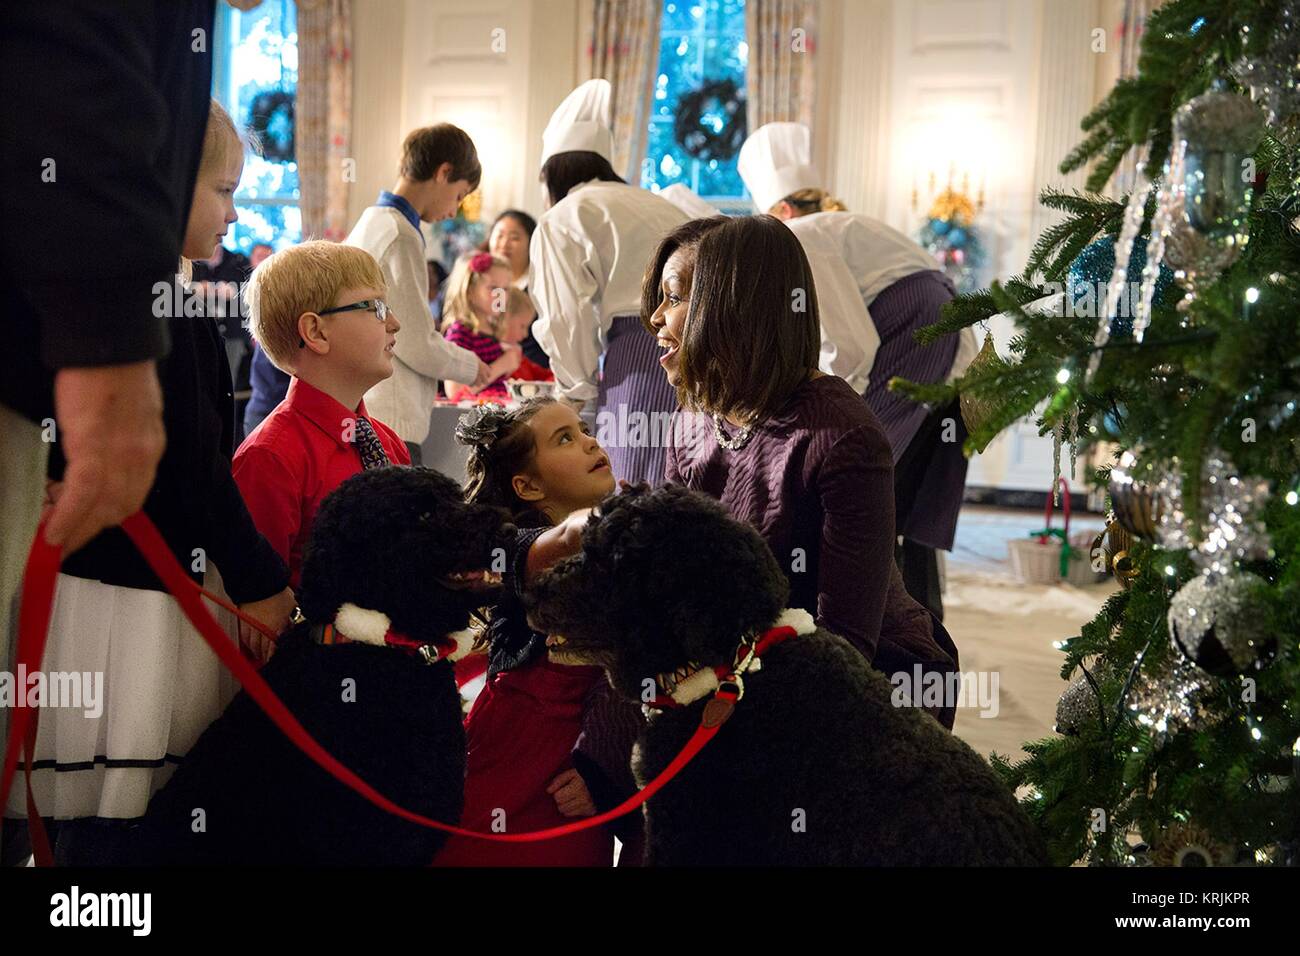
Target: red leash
34, 622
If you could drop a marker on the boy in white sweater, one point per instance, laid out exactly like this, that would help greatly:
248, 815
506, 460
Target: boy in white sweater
439, 168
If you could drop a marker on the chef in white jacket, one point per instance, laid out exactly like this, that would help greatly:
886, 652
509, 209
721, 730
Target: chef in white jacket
902, 286
586, 261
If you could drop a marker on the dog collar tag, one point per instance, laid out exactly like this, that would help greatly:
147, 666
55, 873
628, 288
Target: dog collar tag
717, 711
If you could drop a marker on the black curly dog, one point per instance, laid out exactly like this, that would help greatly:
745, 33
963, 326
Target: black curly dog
386, 540
815, 765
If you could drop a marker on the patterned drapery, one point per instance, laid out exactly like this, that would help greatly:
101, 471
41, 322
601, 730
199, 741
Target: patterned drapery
780, 74
324, 116
624, 49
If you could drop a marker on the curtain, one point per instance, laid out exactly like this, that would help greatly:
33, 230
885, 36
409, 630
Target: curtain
1130, 31
624, 49
779, 77
324, 116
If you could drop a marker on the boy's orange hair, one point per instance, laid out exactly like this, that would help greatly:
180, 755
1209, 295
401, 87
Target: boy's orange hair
302, 278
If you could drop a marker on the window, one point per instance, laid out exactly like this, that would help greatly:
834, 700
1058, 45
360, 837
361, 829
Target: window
702, 57
255, 77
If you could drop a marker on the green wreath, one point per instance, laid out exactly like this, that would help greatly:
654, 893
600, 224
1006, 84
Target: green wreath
271, 118
704, 142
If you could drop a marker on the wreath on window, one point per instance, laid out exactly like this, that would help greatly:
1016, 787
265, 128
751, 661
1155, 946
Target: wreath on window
711, 140
270, 117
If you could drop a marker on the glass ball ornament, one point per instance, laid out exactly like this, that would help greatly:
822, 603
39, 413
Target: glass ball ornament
1218, 132
1214, 620
1077, 707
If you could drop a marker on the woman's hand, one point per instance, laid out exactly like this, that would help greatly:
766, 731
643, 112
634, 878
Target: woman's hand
556, 543
572, 798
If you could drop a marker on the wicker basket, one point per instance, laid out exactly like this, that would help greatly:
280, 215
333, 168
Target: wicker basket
1037, 559
1035, 563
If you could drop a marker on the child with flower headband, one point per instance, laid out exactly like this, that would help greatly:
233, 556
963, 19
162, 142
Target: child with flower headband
473, 315
547, 741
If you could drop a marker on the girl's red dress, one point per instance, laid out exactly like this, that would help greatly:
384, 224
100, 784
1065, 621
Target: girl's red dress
520, 736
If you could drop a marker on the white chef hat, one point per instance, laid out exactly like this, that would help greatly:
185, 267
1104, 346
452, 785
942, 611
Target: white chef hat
689, 203
581, 122
776, 161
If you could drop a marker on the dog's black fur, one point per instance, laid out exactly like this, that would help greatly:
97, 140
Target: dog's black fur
815, 765
384, 540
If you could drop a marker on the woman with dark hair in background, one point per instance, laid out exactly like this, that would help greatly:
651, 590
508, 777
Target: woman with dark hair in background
587, 260
512, 231
791, 450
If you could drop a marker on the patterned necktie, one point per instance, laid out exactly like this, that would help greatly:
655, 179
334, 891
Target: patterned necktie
368, 446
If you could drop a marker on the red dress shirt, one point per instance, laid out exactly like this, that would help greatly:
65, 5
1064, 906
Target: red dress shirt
296, 457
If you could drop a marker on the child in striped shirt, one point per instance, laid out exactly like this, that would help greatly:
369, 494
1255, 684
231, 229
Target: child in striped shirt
473, 317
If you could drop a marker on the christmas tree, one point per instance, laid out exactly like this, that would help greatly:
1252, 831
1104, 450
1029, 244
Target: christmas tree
1179, 739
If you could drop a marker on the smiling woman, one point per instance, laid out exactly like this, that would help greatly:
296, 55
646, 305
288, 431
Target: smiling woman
794, 452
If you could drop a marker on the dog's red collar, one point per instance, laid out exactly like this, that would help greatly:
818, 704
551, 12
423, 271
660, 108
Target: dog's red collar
430, 653
731, 685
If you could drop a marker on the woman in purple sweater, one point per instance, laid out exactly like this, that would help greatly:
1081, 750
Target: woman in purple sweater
796, 453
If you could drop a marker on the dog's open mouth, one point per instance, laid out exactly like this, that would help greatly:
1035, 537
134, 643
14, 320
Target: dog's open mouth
477, 580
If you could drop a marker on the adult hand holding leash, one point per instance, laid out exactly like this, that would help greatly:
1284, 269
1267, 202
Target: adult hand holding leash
110, 427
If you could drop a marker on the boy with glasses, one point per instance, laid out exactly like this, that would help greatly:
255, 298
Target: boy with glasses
319, 312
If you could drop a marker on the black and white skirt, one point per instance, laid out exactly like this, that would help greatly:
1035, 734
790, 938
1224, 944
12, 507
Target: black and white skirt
159, 687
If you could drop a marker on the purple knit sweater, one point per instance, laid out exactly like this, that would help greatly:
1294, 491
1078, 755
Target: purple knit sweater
816, 480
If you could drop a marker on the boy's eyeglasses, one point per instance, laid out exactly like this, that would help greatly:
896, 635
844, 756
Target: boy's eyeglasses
377, 306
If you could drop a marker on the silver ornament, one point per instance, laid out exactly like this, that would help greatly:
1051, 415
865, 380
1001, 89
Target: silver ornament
1078, 706
1271, 66
1233, 504
1214, 621
1203, 211
1134, 216
1172, 696
1219, 132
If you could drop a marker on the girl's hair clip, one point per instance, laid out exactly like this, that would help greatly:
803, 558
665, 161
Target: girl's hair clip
481, 426
481, 263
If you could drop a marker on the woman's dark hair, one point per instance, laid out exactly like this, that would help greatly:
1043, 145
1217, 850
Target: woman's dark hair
563, 171
753, 332
501, 445
526, 222
688, 235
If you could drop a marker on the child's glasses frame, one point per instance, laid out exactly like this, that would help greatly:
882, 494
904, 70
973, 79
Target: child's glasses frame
377, 306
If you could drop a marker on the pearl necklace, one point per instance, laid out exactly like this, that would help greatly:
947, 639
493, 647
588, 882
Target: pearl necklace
731, 444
